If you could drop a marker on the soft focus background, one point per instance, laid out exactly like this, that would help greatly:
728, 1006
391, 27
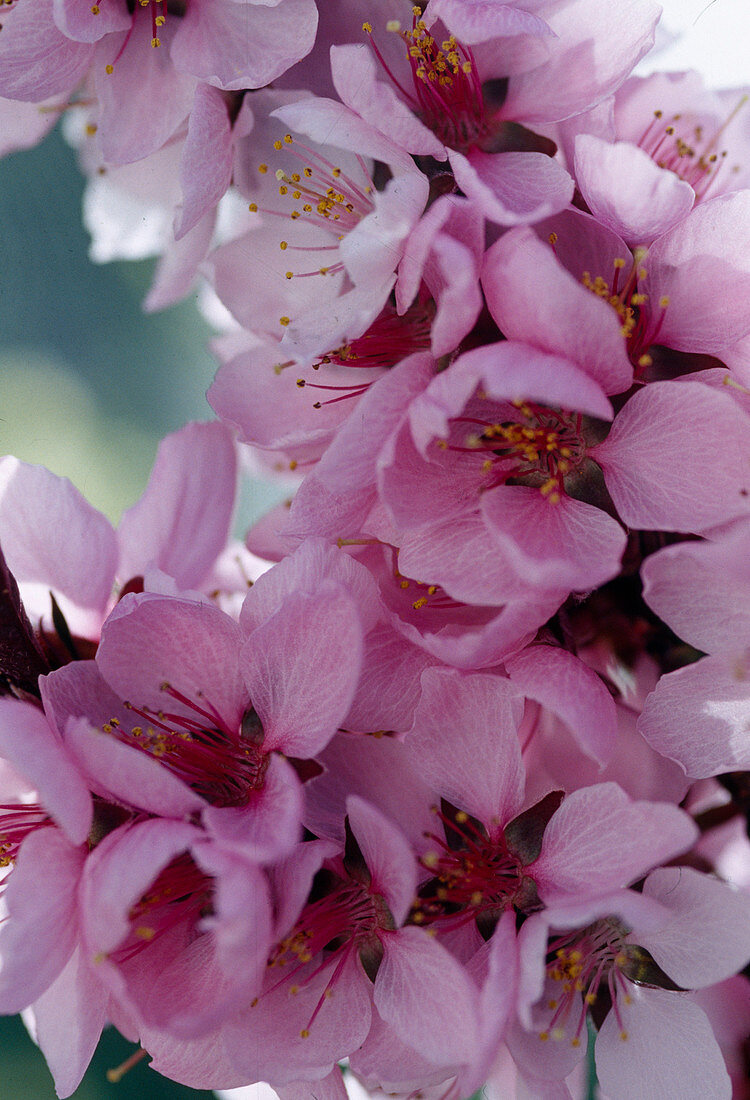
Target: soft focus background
90, 384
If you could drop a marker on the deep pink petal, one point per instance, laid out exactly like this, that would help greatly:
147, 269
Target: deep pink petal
558, 680
182, 521
427, 998
301, 669
553, 544
388, 855
464, 742
664, 459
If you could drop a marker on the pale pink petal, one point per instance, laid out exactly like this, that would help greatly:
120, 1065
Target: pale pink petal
593, 51
707, 938
301, 669
181, 523
427, 998
388, 688
702, 590
177, 267
553, 544
30, 745
558, 680
709, 248
41, 929
53, 536
206, 165
534, 298
36, 59
355, 73
70, 1017
512, 188
76, 20
234, 45
599, 840
127, 775
474, 21
464, 743
627, 191
664, 459
388, 855
699, 716
129, 125
670, 1050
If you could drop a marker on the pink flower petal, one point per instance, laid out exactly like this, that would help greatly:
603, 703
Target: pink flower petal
388, 855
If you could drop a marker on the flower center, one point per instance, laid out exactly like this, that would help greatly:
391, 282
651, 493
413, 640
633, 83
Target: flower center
583, 965
446, 92
686, 150
180, 893
222, 764
540, 448
474, 876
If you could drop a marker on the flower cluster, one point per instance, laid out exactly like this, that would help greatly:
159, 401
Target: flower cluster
457, 788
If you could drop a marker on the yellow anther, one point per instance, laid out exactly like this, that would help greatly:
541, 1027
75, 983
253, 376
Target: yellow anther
289, 275
367, 28
304, 1034
618, 263
155, 42
95, 10
393, 25
664, 301
253, 207
109, 69
263, 168
552, 238
288, 139
284, 321
419, 604
462, 817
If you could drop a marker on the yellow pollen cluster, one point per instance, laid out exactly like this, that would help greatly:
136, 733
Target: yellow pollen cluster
625, 310
567, 969
433, 63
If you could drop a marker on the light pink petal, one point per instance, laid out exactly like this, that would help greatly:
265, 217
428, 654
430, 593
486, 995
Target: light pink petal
234, 45
664, 458
77, 21
593, 51
376, 769
23, 125
128, 775
670, 1050
269, 826
512, 188
177, 267
291, 880
534, 298
427, 998
330, 1088
181, 523
388, 855
388, 688
474, 21
301, 669
707, 938
555, 545
464, 743
599, 840
36, 59
699, 716
206, 165
30, 745
264, 1042
129, 125
53, 536
331, 123
305, 571
512, 371
372, 249
120, 870
710, 247
627, 191
191, 646
499, 991
702, 590
356, 73
41, 929
70, 1017
558, 680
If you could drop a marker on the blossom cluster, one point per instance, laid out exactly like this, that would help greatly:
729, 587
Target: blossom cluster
443, 773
